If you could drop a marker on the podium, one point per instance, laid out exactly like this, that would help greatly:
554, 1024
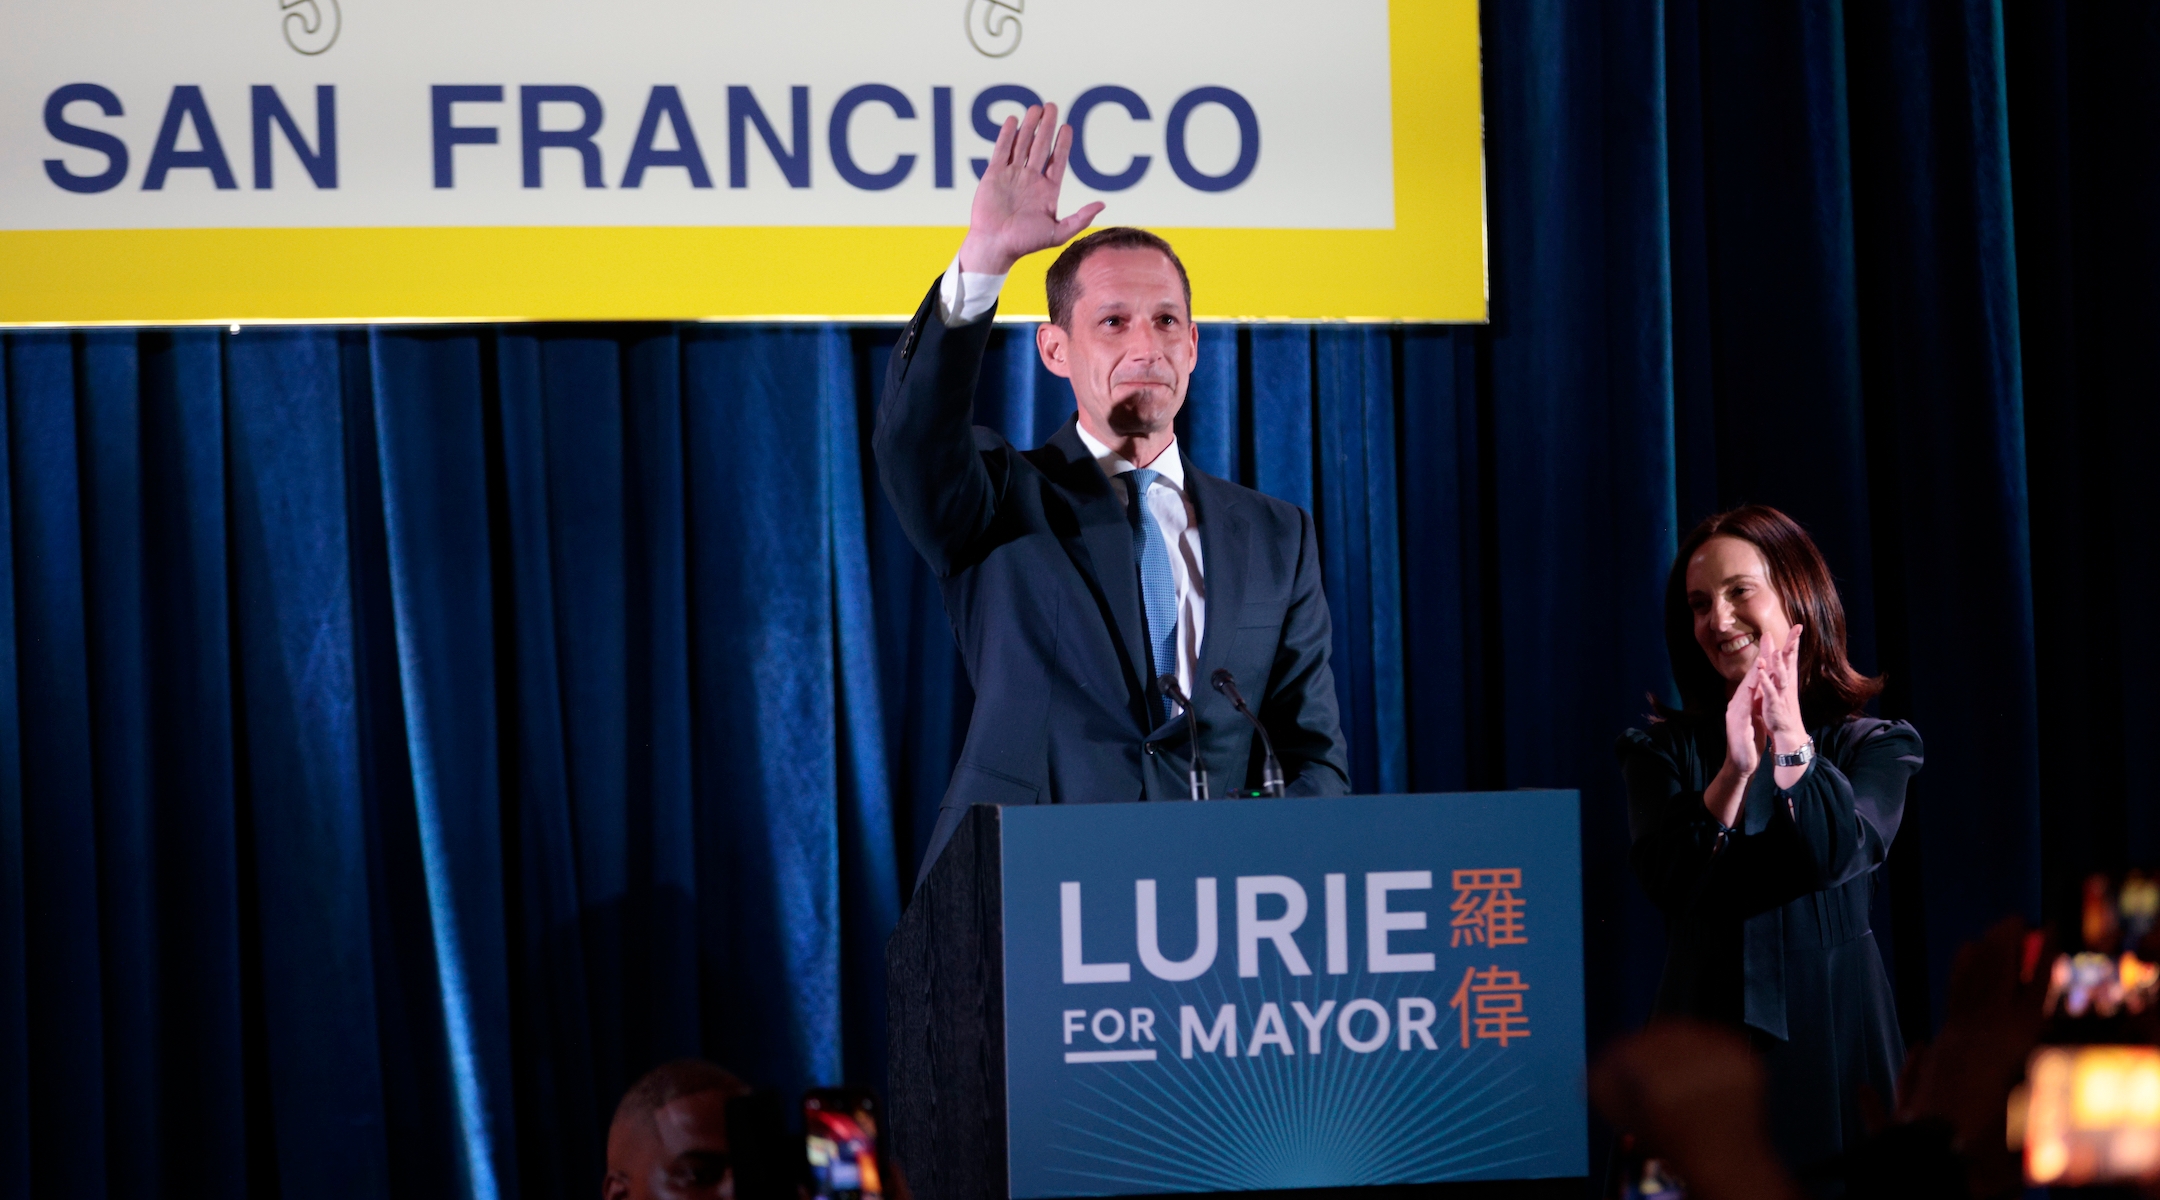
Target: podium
1245, 997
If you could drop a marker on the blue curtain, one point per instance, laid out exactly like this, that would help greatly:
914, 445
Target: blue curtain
408, 736
412, 736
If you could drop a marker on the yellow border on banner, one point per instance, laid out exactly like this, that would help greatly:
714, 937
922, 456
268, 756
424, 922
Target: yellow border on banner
1430, 267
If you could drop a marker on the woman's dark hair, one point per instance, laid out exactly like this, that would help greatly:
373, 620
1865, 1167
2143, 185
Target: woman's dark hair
1830, 689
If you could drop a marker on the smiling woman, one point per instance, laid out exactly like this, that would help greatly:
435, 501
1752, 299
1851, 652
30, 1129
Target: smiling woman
1765, 876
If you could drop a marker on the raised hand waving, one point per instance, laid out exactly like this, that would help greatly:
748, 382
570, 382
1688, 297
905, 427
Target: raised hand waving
1015, 209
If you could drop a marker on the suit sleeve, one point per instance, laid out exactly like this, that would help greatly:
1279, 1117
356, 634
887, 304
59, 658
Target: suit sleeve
1674, 839
1836, 822
941, 484
1299, 708
1833, 825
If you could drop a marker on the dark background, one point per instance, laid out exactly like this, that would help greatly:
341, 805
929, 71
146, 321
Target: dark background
409, 736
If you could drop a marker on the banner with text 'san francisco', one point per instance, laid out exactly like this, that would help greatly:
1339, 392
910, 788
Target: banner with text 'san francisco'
349, 160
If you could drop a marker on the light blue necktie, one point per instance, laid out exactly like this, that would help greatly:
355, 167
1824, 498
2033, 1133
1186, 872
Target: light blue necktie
1158, 588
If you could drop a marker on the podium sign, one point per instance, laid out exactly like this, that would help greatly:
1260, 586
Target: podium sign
1292, 993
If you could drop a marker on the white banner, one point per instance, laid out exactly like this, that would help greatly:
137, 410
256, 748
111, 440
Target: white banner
172, 160
155, 114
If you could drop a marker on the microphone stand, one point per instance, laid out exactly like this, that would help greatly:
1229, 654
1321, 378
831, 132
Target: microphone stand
1196, 777
1271, 780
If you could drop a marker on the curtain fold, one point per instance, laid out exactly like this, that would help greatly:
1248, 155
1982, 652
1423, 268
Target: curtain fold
1938, 309
15, 1065
1356, 516
428, 406
1579, 427
2084, 118
199, 1083
409, 736
64, 972
762, 705
562, 1038
308, 853
869, 862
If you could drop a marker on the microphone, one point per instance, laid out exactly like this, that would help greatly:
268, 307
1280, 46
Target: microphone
1271, 781
1197, 775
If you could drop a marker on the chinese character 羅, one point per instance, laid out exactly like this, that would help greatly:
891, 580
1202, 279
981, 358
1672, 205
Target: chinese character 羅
1487, 909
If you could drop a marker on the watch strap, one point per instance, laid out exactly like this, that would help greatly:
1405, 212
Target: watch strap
1798, 758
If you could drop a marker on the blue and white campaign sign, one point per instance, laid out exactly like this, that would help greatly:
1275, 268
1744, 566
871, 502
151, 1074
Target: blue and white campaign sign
1293, 993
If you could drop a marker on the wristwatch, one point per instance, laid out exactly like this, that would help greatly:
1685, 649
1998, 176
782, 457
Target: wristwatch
1798, 758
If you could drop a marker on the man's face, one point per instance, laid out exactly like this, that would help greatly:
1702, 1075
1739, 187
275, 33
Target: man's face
1130, 351
681, 1154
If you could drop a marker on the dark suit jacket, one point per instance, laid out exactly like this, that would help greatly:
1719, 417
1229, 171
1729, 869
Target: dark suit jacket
1767, 924
1035, 556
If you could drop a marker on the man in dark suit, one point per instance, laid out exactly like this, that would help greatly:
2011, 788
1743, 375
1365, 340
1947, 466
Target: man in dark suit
1081, 574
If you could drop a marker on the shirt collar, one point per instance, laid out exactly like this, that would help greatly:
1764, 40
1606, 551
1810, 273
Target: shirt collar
1169, 462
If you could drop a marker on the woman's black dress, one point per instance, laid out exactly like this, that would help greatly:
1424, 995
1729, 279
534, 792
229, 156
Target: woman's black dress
1768, 922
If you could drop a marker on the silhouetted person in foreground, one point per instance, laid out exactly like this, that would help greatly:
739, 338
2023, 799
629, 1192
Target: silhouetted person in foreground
1692, 1092
669, 1137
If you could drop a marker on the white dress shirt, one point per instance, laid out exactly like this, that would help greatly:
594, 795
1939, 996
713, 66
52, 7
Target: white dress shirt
965, 296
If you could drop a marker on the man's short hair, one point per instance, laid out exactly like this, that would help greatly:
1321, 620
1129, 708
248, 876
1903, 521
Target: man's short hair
671, 1081
1063, 282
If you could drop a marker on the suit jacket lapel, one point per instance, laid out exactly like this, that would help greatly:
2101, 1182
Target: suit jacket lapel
1107, 535
1225, 545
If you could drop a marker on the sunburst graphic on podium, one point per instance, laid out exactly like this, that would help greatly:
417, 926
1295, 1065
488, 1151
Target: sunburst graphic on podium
1222, 1123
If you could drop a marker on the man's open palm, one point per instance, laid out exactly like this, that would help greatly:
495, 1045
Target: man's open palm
1015, 209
